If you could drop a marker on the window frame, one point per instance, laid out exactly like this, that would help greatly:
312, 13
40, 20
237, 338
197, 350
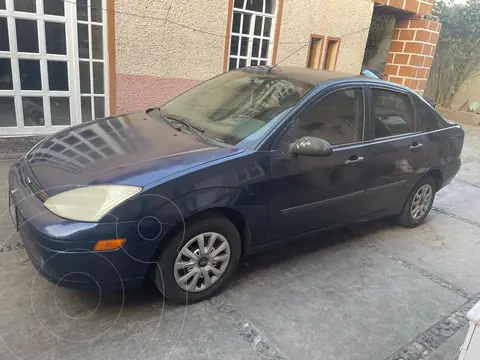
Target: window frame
371, 125
335, 53
70, 21
312, 102
272, 38
319, 64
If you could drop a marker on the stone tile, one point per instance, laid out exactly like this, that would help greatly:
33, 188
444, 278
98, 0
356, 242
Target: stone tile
470, 172
8, 235
340, 302
4, 168
4, 216
5, 220
471, 147
450, 350
460, 199
39, 321
443, 245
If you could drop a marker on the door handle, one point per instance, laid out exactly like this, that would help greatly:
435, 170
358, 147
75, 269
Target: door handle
416, 147
354, 159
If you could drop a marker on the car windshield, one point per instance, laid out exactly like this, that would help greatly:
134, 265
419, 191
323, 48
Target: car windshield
237, 106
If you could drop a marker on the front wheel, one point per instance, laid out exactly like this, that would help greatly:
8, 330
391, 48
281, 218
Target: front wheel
195, 265
418, 204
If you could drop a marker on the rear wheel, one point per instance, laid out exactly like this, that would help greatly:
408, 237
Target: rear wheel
418, 204
195, 265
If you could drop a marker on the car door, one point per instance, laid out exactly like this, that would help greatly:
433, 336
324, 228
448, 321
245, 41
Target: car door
399, 151
309, 193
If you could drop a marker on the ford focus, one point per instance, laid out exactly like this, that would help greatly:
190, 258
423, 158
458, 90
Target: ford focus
244, 161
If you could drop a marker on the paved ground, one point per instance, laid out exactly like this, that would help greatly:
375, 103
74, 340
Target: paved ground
10, 147
375, 292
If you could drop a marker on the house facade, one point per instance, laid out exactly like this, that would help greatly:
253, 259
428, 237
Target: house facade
64, 62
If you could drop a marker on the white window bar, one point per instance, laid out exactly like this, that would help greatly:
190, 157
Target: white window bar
71, 58
258, 39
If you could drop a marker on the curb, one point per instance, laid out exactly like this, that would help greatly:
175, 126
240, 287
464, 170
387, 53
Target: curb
13, 148
11, 156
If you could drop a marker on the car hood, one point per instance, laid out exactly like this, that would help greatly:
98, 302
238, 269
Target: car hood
134, 149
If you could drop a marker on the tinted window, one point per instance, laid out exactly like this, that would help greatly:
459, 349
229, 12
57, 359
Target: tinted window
392, 113
4, 45
428, 119
338, 118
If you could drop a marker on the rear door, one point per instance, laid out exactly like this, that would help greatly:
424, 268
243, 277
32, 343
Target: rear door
399, 149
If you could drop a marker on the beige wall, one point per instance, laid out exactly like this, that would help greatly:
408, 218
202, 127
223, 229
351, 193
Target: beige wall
157, 60
329, 18
469, 91
152, 47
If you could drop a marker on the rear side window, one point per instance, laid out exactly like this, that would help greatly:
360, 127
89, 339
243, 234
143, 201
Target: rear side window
428, 118
392, 113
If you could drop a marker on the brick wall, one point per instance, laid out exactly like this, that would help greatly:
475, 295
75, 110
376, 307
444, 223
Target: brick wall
411, 52
414, 6
413, 45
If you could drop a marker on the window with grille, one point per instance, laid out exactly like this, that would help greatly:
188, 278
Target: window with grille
252, 32
53, 64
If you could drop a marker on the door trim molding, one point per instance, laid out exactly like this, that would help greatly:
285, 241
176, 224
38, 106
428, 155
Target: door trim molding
375, 189
310, 206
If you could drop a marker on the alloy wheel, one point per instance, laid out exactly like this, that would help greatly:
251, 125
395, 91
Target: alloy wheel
421, 202
201, 262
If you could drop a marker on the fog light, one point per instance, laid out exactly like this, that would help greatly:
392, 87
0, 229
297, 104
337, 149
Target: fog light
112, 244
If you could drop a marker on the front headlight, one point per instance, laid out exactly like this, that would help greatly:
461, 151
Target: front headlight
90, 203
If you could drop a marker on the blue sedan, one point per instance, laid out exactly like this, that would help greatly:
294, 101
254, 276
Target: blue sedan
246, 160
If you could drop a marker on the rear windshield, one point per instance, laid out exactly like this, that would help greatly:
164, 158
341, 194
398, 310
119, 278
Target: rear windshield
428, 118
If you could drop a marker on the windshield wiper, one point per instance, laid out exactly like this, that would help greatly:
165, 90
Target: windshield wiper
169, 119
192, 128
184, 122
159, 112
177, 119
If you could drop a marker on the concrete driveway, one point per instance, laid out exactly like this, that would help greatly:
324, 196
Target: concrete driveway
374, 291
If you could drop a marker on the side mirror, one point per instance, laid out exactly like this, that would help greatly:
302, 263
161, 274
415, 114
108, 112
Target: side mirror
311, 146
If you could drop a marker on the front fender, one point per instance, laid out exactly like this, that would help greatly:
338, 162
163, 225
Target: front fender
251, 207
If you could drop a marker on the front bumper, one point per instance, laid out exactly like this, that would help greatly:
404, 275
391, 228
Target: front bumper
81, 268
62, 250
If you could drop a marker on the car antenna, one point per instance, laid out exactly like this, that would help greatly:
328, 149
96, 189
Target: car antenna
290, 55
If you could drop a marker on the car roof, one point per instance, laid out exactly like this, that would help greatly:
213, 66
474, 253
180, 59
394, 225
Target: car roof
317, 77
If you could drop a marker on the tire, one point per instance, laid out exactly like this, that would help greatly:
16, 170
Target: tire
166, 278
406, 218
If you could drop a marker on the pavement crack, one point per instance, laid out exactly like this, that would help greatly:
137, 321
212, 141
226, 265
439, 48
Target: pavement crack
444, 212
433, 277
435, 336
467, 183
11, 247
245, 329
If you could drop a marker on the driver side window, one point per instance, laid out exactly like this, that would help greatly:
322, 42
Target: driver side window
338, 118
